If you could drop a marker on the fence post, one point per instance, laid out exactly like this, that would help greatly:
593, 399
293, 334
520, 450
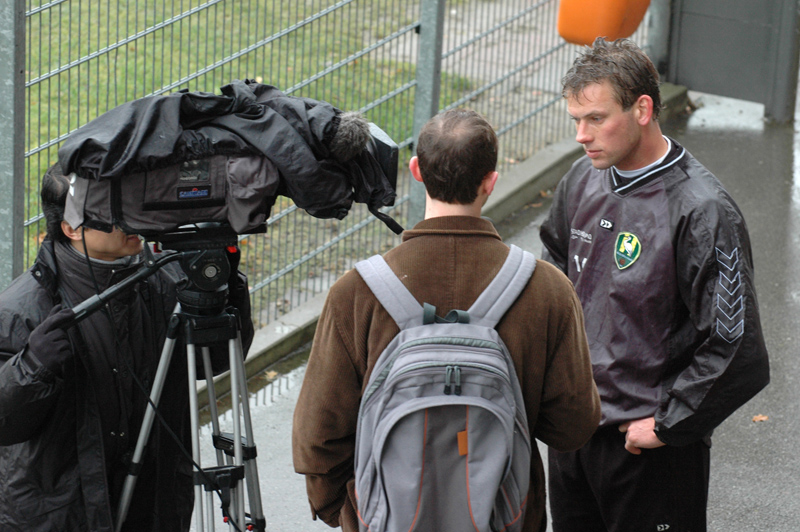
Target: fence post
780, 102
660, 21
12, 147
429, 74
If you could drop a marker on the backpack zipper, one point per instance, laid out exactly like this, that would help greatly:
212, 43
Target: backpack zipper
448, 373
452, 376
384, 371
452, 370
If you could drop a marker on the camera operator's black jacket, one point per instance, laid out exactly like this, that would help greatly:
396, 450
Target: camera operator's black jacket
66, 437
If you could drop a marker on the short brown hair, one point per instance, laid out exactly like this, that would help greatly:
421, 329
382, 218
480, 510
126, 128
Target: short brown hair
456, 150
623, 64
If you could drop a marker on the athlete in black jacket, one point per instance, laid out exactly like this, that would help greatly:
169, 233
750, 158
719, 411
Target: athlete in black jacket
70, 407
660, 258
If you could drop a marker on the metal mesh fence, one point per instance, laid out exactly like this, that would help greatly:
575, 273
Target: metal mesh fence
510, 60
501, 57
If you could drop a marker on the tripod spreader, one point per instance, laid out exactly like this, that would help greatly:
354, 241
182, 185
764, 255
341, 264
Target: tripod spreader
205, 330
220, 479
225, 443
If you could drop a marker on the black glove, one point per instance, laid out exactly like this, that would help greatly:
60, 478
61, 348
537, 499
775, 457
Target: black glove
49, 342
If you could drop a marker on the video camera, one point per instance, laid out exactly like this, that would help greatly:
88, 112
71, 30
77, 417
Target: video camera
161, 163
192, 171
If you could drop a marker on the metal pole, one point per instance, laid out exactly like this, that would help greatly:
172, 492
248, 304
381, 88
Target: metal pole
659, 24
12, 147
429, 75
780, 102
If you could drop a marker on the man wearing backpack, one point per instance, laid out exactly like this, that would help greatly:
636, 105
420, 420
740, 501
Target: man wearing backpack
447, 261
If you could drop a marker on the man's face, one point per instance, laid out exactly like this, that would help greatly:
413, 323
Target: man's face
610, 136
108, 246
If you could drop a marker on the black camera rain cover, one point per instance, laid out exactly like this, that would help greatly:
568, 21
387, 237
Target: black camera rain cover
161, 162
239, 191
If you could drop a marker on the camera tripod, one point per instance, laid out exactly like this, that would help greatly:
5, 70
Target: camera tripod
201, 318
236, 452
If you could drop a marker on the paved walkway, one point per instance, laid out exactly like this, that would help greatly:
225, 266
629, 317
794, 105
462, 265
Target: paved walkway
755, 470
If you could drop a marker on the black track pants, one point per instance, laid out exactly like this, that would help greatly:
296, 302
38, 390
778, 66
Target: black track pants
604, 488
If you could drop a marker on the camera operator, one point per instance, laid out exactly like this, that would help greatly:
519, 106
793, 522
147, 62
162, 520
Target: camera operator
72, 402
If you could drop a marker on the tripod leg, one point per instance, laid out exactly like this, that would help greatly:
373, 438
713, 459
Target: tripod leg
238, 396
210, 510
147, 422
251, 467
212, 401
191, 360
239, 450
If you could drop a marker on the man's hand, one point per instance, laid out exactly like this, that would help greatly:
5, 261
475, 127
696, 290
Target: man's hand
640, 434
49, 342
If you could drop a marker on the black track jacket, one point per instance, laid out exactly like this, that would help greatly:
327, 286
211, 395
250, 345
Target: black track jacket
663, 268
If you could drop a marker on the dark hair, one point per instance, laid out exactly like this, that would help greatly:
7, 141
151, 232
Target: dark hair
623, 64
456, 150
55, 186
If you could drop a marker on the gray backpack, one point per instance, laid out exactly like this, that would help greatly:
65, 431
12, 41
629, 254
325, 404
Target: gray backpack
442, 443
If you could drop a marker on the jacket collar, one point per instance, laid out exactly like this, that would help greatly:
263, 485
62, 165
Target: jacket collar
44, 268
84, 281
624, 186
450, 225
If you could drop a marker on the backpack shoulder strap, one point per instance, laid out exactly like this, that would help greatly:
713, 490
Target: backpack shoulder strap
504, 289
401, 305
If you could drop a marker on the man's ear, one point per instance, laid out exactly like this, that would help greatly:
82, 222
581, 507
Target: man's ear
413, 165
644, 109
489, 181
71, 233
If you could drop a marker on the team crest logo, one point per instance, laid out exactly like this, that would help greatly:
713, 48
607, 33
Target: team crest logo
627, 250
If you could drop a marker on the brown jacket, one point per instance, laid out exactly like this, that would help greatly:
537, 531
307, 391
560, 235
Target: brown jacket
447, 262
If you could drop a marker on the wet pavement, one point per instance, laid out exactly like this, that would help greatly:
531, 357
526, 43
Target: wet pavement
755, 470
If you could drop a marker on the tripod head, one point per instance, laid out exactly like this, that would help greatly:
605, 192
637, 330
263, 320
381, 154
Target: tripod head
207, 253
204, 252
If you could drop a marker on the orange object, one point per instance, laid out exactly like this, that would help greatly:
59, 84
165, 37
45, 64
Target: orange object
582, 21
462, 443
